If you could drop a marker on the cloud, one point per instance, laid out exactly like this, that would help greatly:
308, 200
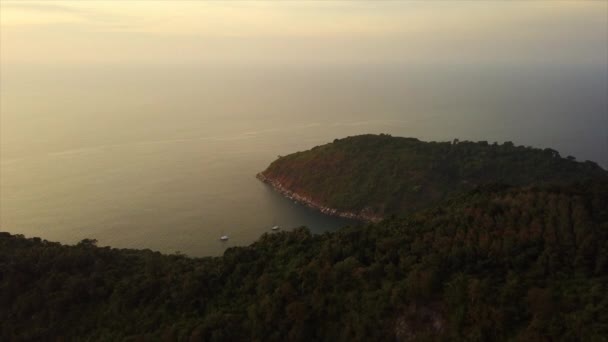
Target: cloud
307, 32
30, 14
39, 7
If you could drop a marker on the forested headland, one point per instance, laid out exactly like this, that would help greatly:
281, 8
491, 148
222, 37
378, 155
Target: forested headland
371, 177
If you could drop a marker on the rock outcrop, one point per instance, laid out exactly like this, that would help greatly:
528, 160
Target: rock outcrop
363, 215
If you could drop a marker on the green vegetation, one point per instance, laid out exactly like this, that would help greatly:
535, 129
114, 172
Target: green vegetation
385, 175
524, 260
498, 263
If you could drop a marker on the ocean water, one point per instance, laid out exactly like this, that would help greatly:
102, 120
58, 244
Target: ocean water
165, 157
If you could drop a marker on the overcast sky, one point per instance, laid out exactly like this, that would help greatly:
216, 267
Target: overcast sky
314, 32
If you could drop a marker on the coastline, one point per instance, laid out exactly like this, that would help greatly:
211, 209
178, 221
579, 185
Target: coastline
301, 199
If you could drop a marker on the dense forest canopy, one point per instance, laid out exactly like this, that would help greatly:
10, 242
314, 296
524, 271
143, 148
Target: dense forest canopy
496, 263
385, 175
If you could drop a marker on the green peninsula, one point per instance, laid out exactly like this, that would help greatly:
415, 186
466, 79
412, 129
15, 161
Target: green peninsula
371, 177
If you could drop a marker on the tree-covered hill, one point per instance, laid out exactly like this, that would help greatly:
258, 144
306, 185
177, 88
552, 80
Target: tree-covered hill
497, 263
375, 176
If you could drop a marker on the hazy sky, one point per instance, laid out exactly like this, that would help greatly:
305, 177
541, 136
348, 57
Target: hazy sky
312, 32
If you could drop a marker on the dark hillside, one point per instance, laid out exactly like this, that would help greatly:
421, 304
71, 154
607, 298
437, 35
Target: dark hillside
498, 263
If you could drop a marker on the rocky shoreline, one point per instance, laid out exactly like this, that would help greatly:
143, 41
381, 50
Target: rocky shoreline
363, 215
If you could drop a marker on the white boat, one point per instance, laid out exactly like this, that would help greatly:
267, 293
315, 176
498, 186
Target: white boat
276, 228
224, 238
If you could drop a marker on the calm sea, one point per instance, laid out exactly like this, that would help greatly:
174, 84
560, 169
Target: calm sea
165, 157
